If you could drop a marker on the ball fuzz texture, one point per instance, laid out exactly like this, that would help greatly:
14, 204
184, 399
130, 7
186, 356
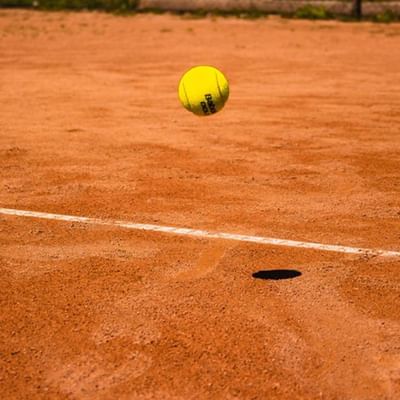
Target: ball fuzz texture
203, 90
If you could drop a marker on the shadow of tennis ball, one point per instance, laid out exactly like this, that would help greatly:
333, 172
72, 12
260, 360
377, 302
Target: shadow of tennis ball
276, 274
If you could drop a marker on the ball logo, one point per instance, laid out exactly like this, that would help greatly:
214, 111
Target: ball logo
208, 106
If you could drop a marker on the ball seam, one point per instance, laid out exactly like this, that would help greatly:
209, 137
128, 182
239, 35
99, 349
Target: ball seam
186, 95
219, 89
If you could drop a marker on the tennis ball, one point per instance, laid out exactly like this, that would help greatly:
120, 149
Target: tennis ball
203, 90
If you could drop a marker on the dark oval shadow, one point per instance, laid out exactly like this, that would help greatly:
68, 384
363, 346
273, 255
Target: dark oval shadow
276, 274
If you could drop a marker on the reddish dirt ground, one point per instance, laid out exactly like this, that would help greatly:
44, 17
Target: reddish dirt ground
307, 148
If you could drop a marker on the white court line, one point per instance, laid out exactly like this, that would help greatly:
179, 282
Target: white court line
201, 233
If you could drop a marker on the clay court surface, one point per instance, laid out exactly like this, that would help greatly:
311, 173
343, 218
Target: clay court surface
307, 148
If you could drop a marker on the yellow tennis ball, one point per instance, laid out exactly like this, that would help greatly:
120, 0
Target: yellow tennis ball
203, 90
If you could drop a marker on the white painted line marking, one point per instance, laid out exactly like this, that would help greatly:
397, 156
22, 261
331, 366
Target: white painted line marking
201, 233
